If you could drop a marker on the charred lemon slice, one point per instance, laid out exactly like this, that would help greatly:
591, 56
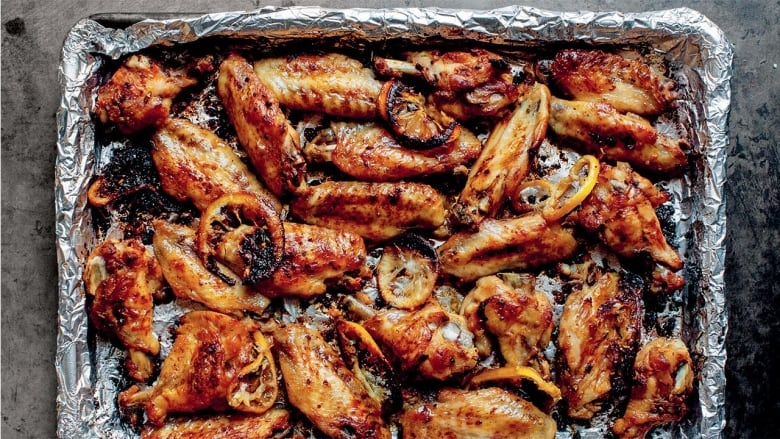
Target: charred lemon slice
416, 123
244, 233
517, 376
255, 388
407, 271
573, 189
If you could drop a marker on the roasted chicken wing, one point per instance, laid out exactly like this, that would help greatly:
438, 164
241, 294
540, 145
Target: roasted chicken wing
330, 83
484, 413
518, 243
139, 94
626, 84
663, 381
122, 278
430, 342
216, 362
599, 129
175, 248
264, 132
598, 336
369, 152
320, 385
195, 165
375, 211
274, 423
503, 163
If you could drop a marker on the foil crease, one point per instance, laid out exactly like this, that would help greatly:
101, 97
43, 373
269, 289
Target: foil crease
695, 47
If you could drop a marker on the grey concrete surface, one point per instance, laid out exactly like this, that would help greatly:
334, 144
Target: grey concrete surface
32, 34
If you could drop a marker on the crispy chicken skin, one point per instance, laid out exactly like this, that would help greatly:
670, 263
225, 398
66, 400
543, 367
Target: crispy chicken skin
598, 333
518, 243
430, 341
470, 414
320, 385
195, 165
264, 132
174, 246
205, 368
313, 256
271, 424
518, 316
621, 210
663, 381
139, 94
331, 83
503, 163
375, 211
599, 129
628, 85
122, 278
368, 152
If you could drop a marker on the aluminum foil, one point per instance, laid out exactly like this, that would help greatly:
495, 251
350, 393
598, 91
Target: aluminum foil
696, 50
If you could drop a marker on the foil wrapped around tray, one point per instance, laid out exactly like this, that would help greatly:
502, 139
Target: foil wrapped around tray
695, 49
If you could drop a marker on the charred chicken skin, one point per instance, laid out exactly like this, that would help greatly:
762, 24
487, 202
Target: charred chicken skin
122, 277
483, 413
272, 424
598, 334
320, 385
662, 384
264, 132
139, 95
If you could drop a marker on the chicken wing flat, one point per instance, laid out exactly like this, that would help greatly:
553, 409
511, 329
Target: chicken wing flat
599, 129
313, 256
369, 152
214, 360
320, 385
628, 85
518, 316
272, 424
122, 278
139, 94
484, 413
195, 165
174, 246
375, 211
518, 243
430, 341
598, 333
621, 210
503, 163
264, 132
663, 381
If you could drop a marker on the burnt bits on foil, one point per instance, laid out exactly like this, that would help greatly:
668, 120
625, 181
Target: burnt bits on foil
695, 49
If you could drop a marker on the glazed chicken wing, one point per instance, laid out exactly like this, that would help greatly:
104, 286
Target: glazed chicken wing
195, 165
663, 381
274, 423
174, 246
628, 85
516, 314
269, 140
485, 413
598, 335
375, 211
369, 152
621, 210
429, 341
599, 129
503, 163
122, 278
330, 83
519, 243
139, 94
313, 256
320, 385
216, 362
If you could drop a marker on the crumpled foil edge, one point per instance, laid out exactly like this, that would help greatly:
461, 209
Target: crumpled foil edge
88, 43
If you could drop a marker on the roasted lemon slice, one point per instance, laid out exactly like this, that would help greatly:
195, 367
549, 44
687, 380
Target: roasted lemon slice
516, 376
256, 387
561, 203
407, 271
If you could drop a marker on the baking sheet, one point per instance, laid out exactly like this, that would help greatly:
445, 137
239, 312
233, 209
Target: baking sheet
694, 47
